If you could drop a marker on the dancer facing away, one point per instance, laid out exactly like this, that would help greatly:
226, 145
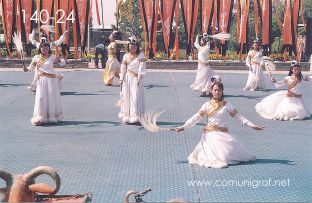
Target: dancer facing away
112, 65
204, 73
254, 62
132, 71
48, 107
286, 104
217, 147
43, 38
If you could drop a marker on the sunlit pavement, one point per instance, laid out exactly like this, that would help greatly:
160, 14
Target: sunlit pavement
94, 152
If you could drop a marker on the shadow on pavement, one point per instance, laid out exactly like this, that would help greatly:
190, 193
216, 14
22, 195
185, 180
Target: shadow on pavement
85, 123
13, 85
79, 94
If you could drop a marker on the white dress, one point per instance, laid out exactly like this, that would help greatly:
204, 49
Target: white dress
218, 148
255, 79
204, 72
132, 95
48, 107
285, 104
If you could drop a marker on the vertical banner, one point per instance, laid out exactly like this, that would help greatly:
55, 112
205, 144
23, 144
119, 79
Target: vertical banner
167, 8
295, 16
287, 33
175, 53
206, 10
45, 14
82, 18
256, 18
243, 24
26, 6
189, 12
266, 13
237, 8
7, 8
38, 12
64, 7
72, 9
18, 20
225, 15
56, 18
214, 22
279, 22
149, 10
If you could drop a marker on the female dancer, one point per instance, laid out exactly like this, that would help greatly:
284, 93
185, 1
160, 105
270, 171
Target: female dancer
112, 65
254, 62
48, 107
132, 71
217, 148
285, 104
204, 74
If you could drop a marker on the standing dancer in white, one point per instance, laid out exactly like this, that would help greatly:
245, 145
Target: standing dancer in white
43, 38
254, 62
204, 74
217, 148
286, 104
132, 71
48, 107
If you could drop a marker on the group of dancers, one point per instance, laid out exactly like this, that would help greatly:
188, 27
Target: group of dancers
217, 148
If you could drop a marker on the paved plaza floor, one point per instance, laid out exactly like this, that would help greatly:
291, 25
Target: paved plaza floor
93, 151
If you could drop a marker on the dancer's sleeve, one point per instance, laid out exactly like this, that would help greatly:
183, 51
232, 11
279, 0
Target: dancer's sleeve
244, 121
33, 64
32, 40
59, 41
280, 83
196, 43
123, 67
195, 118
142, 67
248, 60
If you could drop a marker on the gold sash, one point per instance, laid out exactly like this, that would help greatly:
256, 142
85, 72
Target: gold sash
212, 128
216, 107
41, 61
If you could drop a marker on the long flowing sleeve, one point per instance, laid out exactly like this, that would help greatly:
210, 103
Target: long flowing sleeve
32, 40
142, 67
248, 60
59, 41
195, 118
196, 43
234, 113
280, 83
123, 67
33, 64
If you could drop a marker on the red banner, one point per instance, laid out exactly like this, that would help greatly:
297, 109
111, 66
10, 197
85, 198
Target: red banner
190, 13
295, 17
8, 22
45, 14
225, 16
206, 7
287, 33
27, 7
166, 13
243, 21
82, 17
266, 13
149, 13
64, 6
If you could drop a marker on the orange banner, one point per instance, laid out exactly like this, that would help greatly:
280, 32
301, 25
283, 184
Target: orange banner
206, 8
45, 14
237, 7
287, 33
166, 13
256, 17
295, 18
82, 18
27, 7
149, 10
266, 13
190, 13
243, 21
8, 22
64, 6
225, 15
